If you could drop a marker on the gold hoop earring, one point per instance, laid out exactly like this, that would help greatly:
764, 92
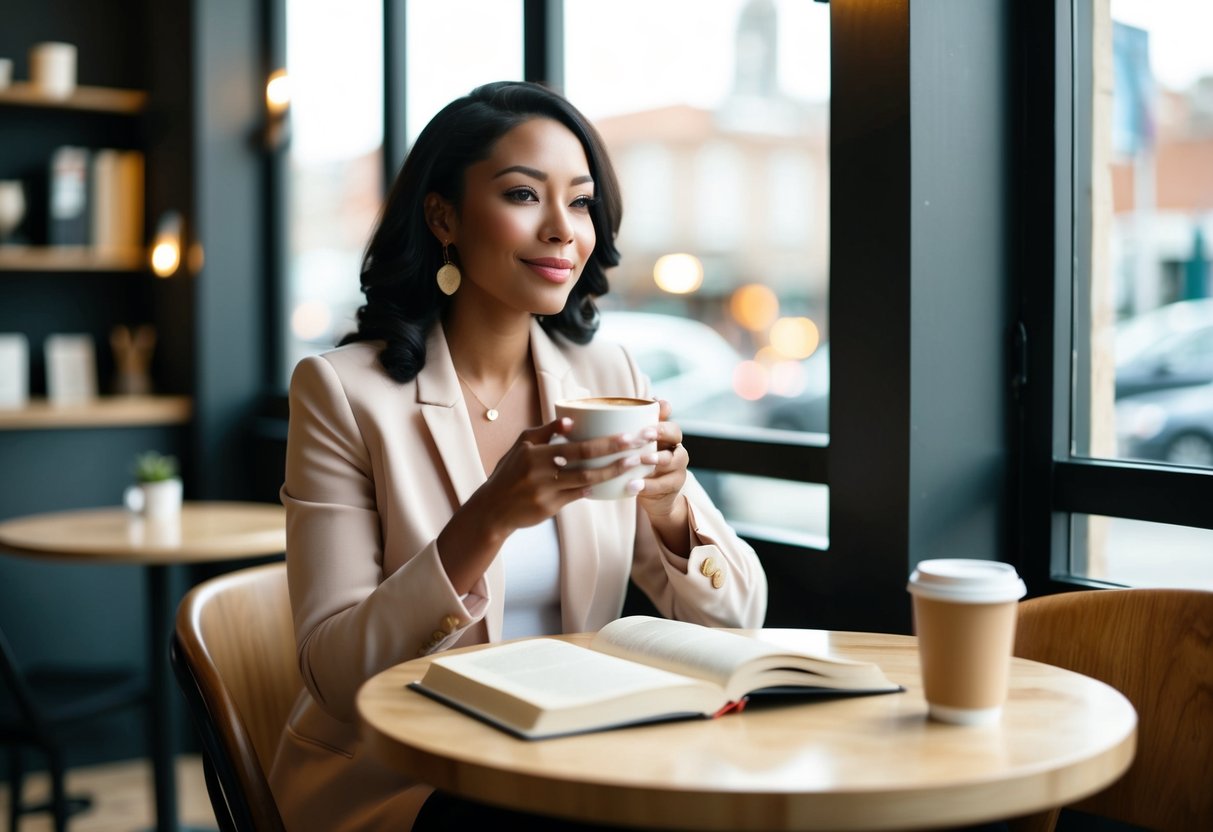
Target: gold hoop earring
449, 276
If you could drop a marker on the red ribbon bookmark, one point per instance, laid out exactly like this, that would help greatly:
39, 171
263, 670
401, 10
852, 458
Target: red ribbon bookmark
733, 707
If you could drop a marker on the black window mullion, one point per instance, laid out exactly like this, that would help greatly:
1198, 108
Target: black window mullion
802, 460
1135, 492
543, 42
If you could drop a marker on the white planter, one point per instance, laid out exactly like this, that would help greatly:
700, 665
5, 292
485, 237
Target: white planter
158, 500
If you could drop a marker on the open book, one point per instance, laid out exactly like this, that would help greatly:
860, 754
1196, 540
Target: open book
637, 669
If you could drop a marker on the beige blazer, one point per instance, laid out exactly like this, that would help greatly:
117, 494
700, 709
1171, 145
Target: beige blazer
374, 471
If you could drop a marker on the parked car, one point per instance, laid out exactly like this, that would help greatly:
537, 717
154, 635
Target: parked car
690, 364
1168, 347
808, 410
1173, 425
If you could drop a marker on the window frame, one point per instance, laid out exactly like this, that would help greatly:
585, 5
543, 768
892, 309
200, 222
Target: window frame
1054, 66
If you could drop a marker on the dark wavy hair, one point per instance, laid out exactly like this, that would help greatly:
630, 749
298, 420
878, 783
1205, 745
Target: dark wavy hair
402, 297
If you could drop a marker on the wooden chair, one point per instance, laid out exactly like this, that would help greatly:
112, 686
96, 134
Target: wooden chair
1156, 647
39, 707
234, 656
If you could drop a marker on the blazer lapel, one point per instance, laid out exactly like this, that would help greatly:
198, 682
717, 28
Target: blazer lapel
445, 415
575, 522
442, 407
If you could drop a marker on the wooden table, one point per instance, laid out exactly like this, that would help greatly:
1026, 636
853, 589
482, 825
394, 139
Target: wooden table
204, 532
859, 763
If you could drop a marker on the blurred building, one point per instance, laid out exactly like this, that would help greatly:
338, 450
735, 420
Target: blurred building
743, 187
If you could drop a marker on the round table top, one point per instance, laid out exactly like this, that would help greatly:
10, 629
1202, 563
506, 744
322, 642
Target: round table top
872, 762
205, 531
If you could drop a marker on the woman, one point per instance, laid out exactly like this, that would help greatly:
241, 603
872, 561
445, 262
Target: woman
424, 510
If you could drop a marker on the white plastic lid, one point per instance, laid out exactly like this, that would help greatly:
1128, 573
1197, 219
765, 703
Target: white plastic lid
967, 581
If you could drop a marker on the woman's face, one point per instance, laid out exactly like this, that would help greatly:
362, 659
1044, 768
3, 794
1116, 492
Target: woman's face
524, 232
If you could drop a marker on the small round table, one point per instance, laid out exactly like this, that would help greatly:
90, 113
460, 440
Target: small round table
872, 762
204, 532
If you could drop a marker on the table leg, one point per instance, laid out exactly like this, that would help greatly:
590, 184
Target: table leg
160, 725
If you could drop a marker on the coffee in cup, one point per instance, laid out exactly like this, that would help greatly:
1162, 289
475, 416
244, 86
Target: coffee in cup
609, 416
964, 617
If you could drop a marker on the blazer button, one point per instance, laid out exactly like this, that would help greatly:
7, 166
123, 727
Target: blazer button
717, 579
437, 636
708, 567
450, 623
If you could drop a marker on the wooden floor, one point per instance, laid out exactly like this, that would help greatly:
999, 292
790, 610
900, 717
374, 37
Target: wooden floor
122, 798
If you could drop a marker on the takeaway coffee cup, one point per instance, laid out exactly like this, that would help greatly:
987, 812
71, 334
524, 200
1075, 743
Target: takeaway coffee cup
610, 416
964, 617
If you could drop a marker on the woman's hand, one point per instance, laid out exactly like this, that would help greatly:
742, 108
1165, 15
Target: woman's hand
530, 484
661, 497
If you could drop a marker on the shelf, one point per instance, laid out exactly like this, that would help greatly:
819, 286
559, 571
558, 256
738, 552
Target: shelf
96, 99
104, 412
70, 258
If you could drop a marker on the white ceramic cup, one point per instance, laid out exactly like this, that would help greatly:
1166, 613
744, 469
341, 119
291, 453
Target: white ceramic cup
611, 416
156, 500
964, 617
52, 68
12, 206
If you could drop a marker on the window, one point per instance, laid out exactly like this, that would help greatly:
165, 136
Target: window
335, 182
453, 46
720, 136
720, 140
1132, 429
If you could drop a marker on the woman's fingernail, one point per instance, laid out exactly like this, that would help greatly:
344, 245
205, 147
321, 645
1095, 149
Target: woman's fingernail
566, 423
635, 487
649, 433
559, 461
624, 438
649, 459
631, 462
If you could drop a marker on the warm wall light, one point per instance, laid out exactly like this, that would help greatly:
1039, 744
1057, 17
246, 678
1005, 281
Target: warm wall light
278, 93
275, 134
166, 249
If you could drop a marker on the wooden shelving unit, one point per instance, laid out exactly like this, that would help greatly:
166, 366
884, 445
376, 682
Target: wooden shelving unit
71, 258
103, 412
95, 99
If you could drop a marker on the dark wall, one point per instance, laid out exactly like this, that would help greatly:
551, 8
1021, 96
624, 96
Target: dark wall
198, 63
918, 301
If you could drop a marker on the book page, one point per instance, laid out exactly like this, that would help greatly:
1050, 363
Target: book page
554, 674
702, 652
737, 663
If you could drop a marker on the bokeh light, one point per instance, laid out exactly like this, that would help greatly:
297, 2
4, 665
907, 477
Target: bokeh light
678, 274
788, 378
795, 337
754, 306
750, 380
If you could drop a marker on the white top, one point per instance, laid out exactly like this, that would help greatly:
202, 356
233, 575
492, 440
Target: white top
532, 582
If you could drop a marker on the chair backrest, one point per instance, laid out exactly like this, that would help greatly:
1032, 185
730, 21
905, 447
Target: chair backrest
234, 654
1156, 647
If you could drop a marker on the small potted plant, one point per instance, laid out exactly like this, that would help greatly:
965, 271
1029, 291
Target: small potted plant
157, 489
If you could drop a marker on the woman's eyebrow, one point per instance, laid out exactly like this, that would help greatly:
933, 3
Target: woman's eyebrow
538, 174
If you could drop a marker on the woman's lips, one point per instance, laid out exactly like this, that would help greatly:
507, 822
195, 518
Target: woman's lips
551, 268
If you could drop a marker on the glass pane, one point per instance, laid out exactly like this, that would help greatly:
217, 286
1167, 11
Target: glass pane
791, 512
453, 46
1144, 321
1137, 553
335, 63
717, 124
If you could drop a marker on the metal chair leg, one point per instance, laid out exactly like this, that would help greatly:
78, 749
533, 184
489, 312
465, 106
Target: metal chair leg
16, 779
59, 803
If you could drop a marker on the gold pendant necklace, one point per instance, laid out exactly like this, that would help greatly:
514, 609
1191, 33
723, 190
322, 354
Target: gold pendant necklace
490, 413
